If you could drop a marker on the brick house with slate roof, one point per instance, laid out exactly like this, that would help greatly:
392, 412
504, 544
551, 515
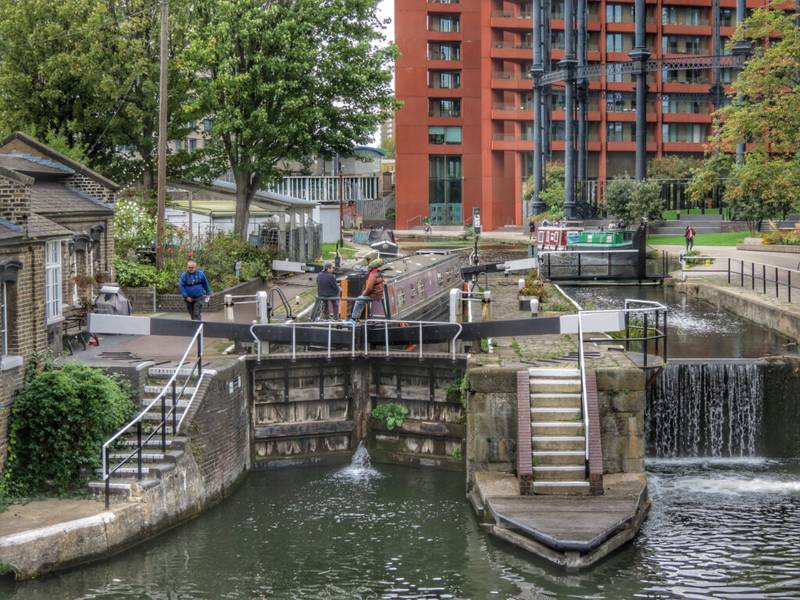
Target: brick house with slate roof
55, 226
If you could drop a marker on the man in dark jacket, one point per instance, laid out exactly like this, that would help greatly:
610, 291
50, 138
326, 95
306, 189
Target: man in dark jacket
328, 288
194, 289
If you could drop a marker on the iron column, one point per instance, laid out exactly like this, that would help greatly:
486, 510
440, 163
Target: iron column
583, 97
741, 49
568, 63
537, 206
639, 55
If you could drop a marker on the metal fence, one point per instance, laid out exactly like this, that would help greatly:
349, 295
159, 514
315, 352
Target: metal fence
780, 283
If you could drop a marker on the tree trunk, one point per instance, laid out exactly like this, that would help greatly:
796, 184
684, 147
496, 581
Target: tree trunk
244, 195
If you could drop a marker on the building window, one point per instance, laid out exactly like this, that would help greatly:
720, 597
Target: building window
444, 190
52, 282
450, 80
727, 17
683, 44
619, 42
444, 135
615, 73
444, 107
679, 104
684, 76
616, 132
192, 144
557, 39
444, 23
444, 51
688, 133
619, 13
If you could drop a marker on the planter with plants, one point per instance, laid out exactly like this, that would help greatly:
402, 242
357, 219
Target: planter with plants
534, 288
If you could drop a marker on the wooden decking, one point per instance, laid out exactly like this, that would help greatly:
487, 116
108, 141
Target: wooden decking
571, 531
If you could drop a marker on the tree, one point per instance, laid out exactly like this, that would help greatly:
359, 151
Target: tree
86, 72
671, 167
763, 186
286, 80
765, 106
709, 176
631, 201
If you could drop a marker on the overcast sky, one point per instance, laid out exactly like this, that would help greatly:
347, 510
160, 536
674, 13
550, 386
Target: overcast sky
387, 12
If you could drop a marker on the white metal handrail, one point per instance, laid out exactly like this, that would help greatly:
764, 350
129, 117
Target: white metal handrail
651, 306
107, 472
328, 327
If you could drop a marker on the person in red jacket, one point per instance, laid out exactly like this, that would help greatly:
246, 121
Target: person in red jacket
689, 235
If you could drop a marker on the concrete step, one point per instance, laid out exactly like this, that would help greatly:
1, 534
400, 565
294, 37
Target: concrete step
165, 372
556, 400
558, 472
148, 456
173, 443
542, 372
180, 403
561, 386
567, 488
150, 471
155, 415
682, 230
555, 413
155, 390
121, 487
558, 442
557, 428
559, 457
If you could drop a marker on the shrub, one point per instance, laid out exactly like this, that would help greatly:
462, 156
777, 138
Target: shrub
391, 414
59, 421
790, 238
534, 286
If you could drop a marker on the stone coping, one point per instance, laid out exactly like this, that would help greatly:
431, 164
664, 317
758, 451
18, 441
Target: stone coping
769, 248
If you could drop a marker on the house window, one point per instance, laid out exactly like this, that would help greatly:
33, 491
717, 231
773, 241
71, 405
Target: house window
444, 23
52, 282
444, 79
444, 107
444, 51
444, 190
444, 135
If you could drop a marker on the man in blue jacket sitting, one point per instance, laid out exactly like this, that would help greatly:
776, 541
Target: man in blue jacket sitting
194, 289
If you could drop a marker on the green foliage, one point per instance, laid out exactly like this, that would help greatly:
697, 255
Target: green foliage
631, 201
534, 286
789, 238
672, 167
709, 176
457, 453
516, 347
59, 421
552, 192
765, 106
763, 186
83, 75
391, 414
134, 228
277, 88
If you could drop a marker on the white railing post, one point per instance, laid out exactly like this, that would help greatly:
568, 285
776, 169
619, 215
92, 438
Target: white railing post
262, 309
228, 302
584, 403
455, 296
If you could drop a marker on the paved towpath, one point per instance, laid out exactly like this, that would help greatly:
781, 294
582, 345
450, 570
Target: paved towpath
776, 259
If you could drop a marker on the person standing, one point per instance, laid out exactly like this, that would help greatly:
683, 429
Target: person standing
532, 228
689, 236
373, 289
328, 292
195, 289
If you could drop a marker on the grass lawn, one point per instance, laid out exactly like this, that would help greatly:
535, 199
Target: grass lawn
671, 215
329, 251
701, 239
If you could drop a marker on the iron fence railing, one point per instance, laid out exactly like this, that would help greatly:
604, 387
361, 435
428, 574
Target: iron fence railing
781, 283
168, 416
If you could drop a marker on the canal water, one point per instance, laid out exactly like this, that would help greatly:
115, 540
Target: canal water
723, 528
697, 329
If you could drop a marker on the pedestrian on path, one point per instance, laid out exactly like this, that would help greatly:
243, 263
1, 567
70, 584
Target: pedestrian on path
532, 228
689, 236
328, 291
195, 289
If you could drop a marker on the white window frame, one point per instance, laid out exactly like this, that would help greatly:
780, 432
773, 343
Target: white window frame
53, 281
4, 317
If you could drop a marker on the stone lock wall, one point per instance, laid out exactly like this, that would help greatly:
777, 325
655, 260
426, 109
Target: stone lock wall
622, 398
492, 419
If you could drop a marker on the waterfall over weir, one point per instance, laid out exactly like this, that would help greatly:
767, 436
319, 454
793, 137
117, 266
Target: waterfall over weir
705, 408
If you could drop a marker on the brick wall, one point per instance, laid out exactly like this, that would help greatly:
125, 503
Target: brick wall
220, 430
10, 381
15, 201
92, 187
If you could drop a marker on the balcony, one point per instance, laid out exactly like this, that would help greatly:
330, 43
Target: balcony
515, 22
506, 80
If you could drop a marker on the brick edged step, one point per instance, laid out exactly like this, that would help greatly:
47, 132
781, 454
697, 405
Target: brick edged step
559, 457
561, 487
558, 472
557, 428
554, 400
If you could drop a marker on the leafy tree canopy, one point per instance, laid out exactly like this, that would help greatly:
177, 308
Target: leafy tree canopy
85, 72
631, 201
672, 167
286, 80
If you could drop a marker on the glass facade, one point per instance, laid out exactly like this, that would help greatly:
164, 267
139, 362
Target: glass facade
444, 107
445, 190
444, 135
450, 80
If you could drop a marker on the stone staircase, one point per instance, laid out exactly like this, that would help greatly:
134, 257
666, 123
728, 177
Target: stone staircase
700, 223
156, 461
558, 443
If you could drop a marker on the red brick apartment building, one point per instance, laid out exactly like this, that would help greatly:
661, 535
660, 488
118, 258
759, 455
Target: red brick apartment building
464, 135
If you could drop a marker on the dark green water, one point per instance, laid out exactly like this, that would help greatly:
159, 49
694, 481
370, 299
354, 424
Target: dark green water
724, 528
